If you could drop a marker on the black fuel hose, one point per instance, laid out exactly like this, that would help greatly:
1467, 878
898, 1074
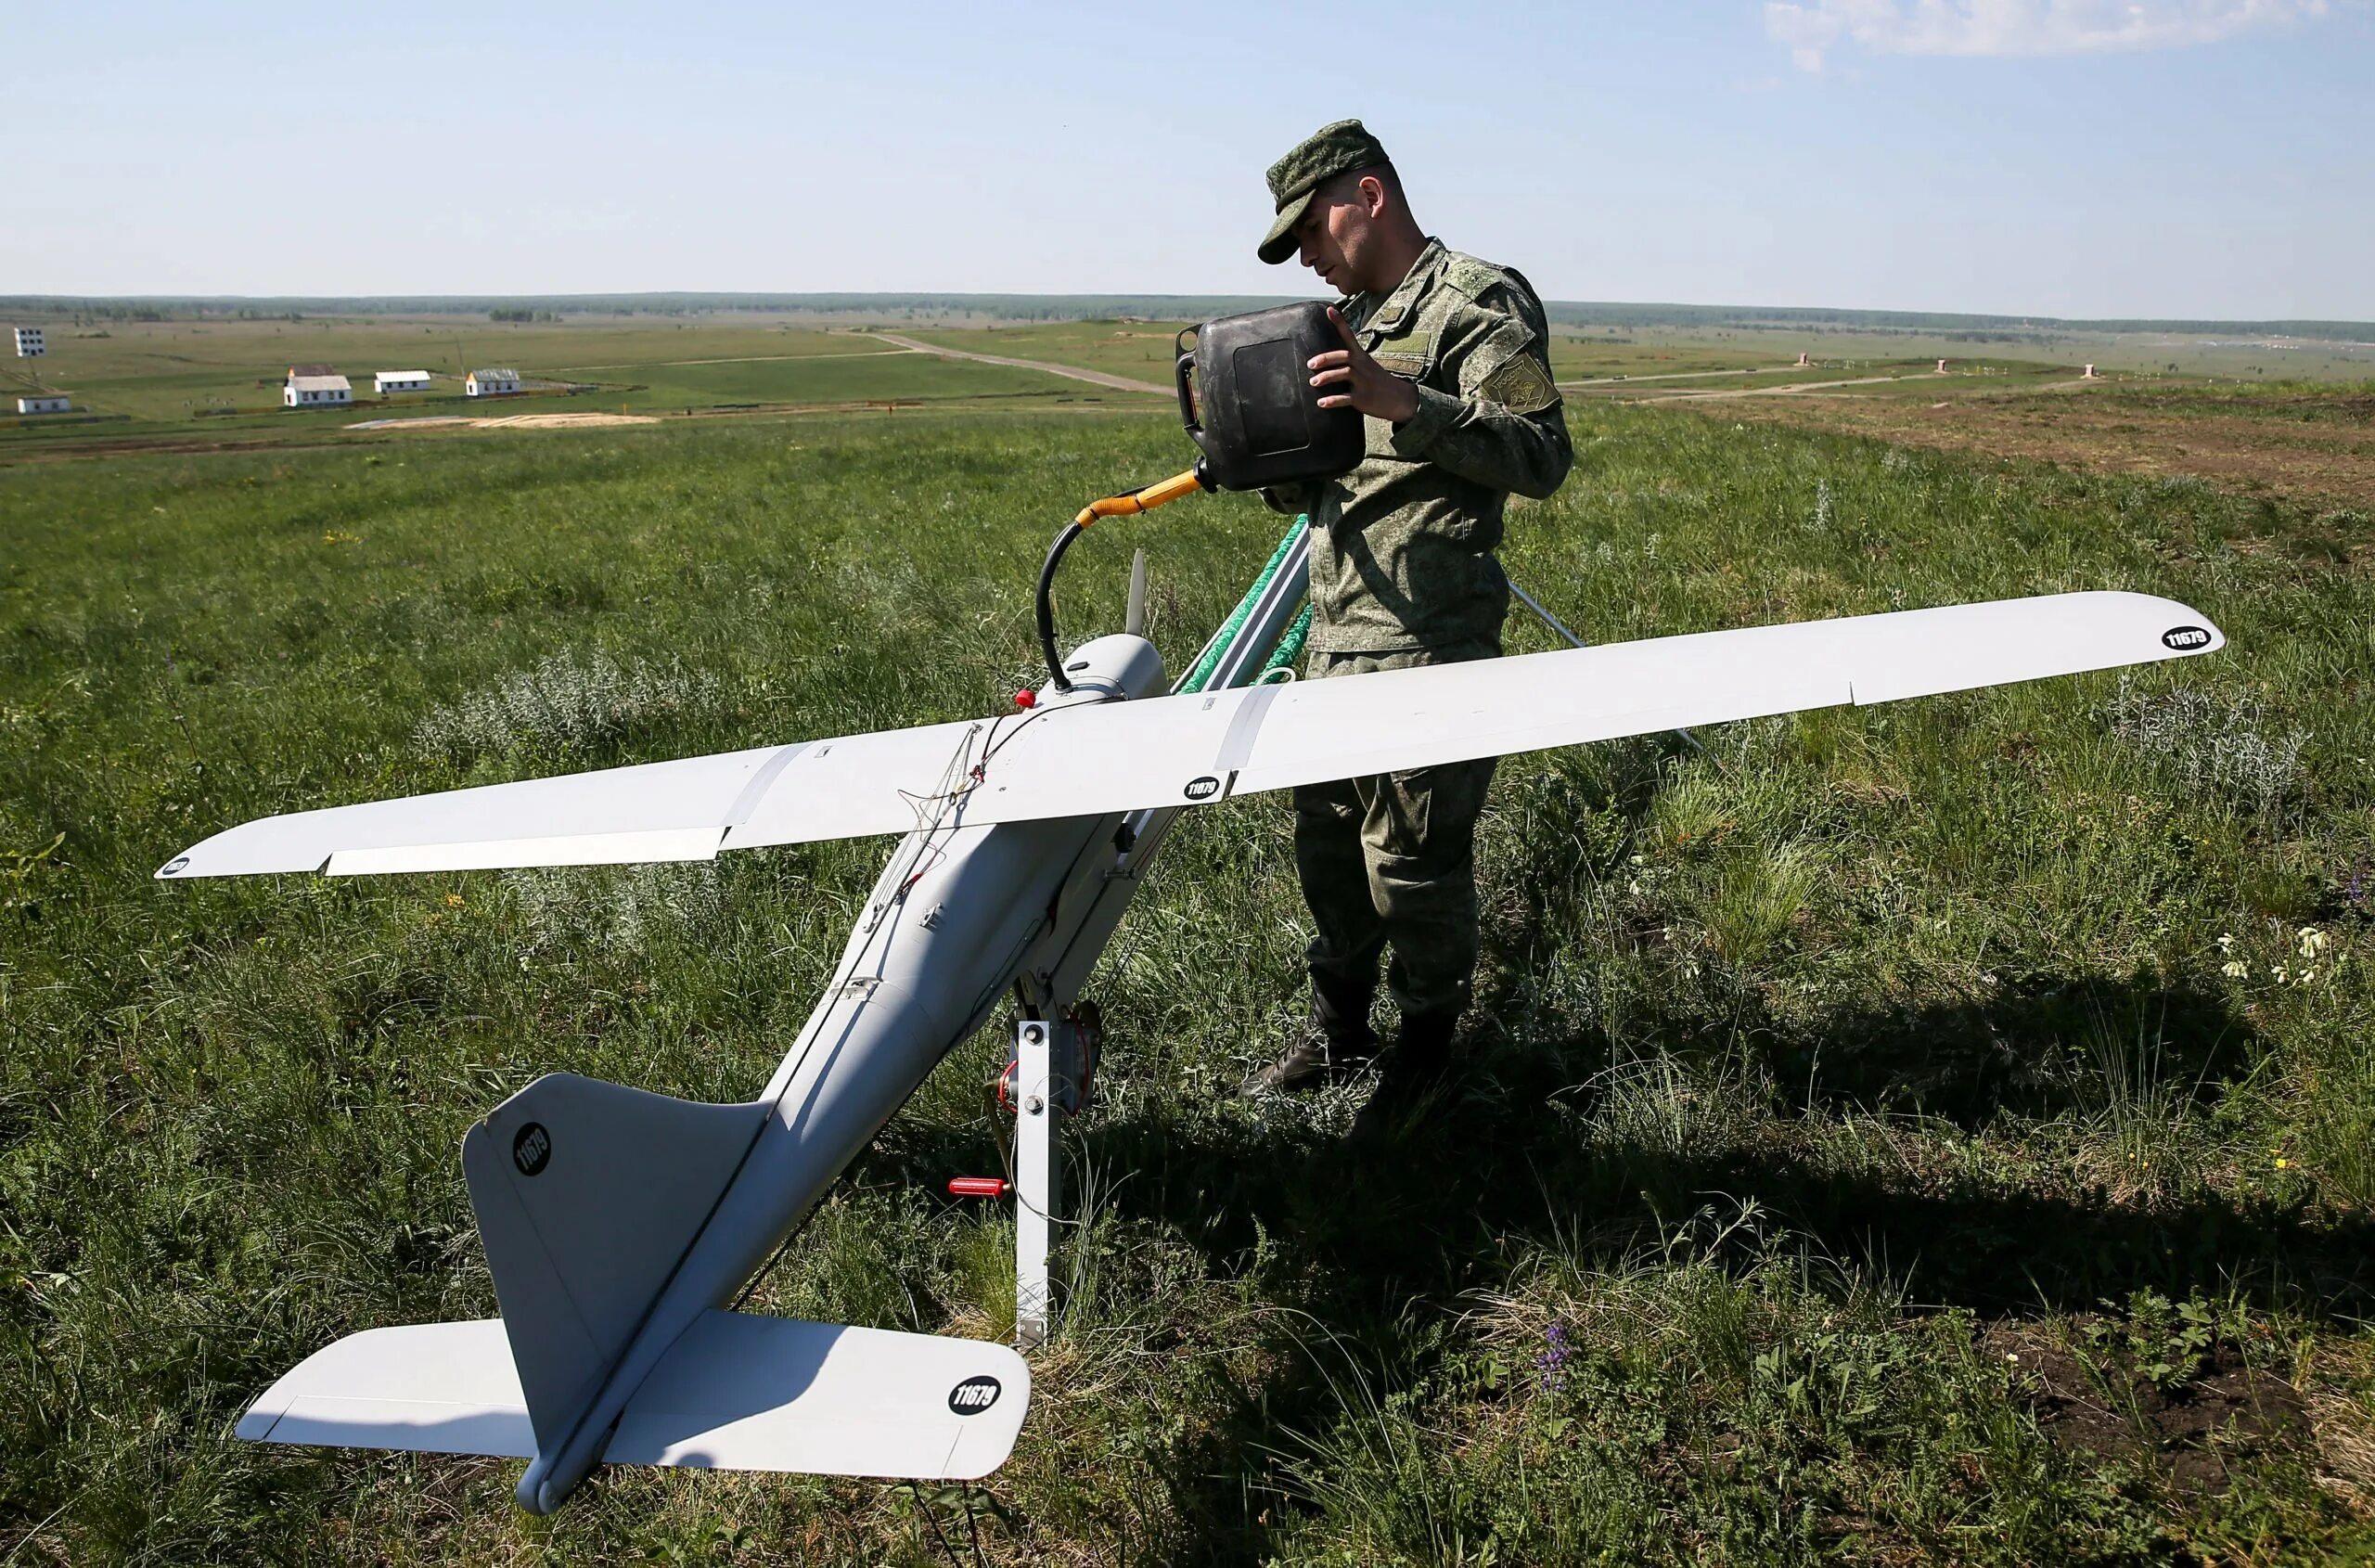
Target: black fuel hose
1072, 531
1146, 498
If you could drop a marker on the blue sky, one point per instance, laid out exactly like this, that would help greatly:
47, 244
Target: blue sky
2134, 157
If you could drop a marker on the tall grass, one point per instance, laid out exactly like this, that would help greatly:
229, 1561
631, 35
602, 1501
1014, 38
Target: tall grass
1802, 1061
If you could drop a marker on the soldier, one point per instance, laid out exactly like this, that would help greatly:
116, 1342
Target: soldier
1448, 358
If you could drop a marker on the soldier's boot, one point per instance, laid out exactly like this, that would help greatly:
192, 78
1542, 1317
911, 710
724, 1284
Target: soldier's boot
1413, 1074
1336, 1044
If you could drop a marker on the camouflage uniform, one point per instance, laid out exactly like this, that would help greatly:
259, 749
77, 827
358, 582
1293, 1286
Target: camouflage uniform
1403, 573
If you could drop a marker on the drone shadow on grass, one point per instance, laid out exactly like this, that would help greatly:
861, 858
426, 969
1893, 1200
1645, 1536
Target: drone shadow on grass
1512, 1164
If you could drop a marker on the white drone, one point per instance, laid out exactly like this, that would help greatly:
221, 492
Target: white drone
620, 1225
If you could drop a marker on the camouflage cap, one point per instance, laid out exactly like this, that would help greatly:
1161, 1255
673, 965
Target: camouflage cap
1334, 149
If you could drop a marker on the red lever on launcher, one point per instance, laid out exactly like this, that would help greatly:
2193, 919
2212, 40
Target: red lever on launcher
979, 1186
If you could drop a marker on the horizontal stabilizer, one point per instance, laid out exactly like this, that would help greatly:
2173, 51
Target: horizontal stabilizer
1093, 759
738, 1392
735, 1392
439, 1388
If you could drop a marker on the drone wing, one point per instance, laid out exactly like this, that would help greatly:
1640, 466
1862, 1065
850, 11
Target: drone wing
1093, 759
657, 811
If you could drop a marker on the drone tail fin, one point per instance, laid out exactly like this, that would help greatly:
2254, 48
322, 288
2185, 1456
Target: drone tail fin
589, 1196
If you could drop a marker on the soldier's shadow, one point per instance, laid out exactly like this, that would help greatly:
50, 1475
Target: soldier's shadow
1557, 1147
1556, 1141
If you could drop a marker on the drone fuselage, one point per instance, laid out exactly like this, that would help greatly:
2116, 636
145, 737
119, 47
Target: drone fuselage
959, 915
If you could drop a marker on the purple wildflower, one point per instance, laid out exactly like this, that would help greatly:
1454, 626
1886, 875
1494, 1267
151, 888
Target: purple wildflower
1553, 1357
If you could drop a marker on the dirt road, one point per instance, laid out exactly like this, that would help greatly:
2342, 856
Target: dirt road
1710, 394
743, 359
1095, 378
1596, 382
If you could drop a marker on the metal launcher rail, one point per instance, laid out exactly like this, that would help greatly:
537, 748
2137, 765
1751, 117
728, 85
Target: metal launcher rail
1053, 1052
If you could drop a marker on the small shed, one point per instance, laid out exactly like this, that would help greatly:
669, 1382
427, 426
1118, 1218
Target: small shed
388, 381
45, 402
490, 383
317, 392
30, 343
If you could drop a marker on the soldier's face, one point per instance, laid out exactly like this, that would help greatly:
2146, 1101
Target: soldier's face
1334, 235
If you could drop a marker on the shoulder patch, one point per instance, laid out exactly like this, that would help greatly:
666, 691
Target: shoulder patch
1520, 385
1472, 277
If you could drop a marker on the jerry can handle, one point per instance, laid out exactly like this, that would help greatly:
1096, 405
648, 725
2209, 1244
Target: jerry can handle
1182, 368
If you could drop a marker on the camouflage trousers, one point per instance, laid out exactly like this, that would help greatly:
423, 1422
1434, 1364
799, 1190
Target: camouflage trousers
1391, 861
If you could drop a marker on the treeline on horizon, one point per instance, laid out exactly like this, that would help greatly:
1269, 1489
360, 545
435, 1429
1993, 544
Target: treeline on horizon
1075, 307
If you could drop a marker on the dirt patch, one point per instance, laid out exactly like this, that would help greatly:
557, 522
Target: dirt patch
560, 421
2191, 1433
2311, 448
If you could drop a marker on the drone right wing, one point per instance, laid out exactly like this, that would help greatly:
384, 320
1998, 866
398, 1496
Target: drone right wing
1095, 758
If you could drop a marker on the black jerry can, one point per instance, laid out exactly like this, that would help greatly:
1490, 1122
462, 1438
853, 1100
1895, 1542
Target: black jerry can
1260, 422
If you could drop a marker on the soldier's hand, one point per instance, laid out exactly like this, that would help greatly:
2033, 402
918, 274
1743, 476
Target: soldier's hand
1359, 381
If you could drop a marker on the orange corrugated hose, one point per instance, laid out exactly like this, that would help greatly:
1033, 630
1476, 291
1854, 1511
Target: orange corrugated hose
1145, 500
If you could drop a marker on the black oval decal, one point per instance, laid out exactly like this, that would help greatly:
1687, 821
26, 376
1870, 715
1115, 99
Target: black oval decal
532, 1149
1202, 789
2185, 639
973, 1395
173, 866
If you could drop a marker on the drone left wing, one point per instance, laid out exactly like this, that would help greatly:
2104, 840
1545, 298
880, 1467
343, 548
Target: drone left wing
1094, 758
657, 811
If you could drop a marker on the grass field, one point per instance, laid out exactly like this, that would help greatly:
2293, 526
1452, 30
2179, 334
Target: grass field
221, 380
1938, 1132
2310, 443
2234, 356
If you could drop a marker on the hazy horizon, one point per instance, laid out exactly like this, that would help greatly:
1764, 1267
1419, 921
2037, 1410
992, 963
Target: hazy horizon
595, 303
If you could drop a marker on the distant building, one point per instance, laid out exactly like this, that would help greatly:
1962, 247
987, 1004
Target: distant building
312, 370
490, 383
317, 392
30, 343
43, 403
388, 381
